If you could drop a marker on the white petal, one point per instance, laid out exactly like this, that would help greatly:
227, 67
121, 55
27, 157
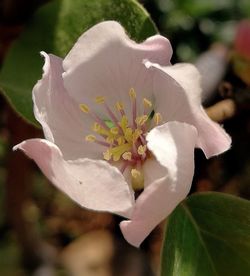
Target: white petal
173, 147
95, 185
105, 62
178, 98
62, 121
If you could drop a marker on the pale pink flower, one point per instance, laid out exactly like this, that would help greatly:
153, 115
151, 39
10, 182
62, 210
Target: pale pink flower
116, 116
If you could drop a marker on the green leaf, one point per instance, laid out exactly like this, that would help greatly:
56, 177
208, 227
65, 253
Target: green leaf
55, 28
208, 235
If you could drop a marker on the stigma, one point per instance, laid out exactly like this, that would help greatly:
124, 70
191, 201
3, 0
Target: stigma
124, 140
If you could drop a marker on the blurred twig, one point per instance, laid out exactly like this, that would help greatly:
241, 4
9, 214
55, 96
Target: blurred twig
222, 110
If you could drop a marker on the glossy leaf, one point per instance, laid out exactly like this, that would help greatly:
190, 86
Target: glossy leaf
208, 235
55, 28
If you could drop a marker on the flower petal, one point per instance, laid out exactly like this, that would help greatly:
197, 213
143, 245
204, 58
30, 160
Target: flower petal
173, 146
62, 121
178, 98
92, 184
105, 62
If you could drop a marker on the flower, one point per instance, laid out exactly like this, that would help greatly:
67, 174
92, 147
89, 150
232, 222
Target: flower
117, 116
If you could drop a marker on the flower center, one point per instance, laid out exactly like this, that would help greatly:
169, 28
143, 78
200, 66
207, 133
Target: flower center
122, 140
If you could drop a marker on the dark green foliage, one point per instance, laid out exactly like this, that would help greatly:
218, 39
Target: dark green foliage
209, 235
54, 29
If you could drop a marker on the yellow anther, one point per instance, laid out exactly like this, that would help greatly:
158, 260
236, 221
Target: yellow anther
114, 130
124, 123
142, 149
127, 155
120, 140
84, 108
96, 127
116, 157
119, 106
100, 130
99, 99
110, 140
137, 179
107, 155
147, 103
157, 118
132, 94
128, 134
90, 138
118, 151
141, 120
137, 133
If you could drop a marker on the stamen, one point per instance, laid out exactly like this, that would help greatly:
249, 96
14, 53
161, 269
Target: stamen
124, 140
147, 103
100, 99
84, 108
142, 149
100, 130
132, 94
124, 123
96, 127
107, 155
99, 121
137, 133
114, 130
147, 106
120, 108
112, 115
93, 115
141, 120
128, 135
134, 151
120, 140
110, 140
143, 140
118, 151
90, 138
127, 155
157, 118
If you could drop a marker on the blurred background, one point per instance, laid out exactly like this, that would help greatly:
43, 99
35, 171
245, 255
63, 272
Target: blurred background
42, 232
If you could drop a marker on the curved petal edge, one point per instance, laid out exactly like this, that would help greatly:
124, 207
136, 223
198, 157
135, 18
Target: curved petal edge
92, 184
173, 147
